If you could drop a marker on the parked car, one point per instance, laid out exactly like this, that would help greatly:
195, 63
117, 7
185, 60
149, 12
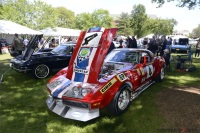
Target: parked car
181, 45
92, 82
42, 63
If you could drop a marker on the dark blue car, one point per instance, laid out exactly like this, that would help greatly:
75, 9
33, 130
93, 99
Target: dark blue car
42, 63
181, 45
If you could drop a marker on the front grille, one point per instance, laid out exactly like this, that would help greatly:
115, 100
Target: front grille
76, 104
18, 66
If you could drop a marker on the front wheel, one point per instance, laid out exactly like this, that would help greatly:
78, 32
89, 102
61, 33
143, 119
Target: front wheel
41, 71
121, 101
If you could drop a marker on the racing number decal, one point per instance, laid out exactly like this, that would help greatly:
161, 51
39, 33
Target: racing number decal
150, 71
121, 77
142, 71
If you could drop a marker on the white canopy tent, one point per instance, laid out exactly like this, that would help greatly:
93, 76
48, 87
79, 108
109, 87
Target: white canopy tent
8, 29
58, 31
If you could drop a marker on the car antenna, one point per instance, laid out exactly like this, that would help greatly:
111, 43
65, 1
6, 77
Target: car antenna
1, 80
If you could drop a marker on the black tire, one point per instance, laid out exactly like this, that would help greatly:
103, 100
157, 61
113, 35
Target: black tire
161, 75
117, 107
41, 71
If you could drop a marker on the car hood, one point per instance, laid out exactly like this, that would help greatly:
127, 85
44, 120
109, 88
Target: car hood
32, 45
91, 49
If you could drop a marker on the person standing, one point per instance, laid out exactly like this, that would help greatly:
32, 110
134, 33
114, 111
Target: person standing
17, 44
197, 48
120, 44
53, 43
25, 42
129, 41
145, 42
112, 46
166, 56
163, 45
133, 43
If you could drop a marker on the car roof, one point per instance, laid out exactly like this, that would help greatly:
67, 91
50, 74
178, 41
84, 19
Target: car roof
132, 49
69, 43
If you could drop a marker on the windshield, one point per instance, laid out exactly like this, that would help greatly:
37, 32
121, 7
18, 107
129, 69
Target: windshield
183, 41
63, 49
123, 56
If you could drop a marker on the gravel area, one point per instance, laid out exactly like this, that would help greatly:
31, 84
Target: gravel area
180, 108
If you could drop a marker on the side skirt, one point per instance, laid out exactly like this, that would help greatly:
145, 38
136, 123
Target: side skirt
140, 89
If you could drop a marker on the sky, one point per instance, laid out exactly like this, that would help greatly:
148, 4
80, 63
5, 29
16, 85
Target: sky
187, 19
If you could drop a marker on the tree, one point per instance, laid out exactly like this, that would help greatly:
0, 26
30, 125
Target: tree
101, 18
43, 15
161, 26
196, 32
83, 21
191, 4
124, 25
1, 11
16, 11
65, 17
138, 20
36, 15
98, 18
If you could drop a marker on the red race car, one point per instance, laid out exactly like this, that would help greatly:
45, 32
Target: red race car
94, 80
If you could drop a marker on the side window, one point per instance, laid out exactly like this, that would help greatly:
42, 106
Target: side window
69, 50
145, 54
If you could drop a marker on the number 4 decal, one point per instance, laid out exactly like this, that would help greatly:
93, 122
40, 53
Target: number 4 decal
150, 71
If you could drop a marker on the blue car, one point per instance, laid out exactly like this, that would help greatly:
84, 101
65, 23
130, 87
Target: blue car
181, 45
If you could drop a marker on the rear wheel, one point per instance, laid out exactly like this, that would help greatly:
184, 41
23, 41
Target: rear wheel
41, 71
121, 101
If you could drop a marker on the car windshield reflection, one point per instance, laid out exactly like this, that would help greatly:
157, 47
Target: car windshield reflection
122, 56
63, 49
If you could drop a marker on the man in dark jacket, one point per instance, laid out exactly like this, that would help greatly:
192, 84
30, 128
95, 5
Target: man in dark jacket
133, 43
112, 46
129, 41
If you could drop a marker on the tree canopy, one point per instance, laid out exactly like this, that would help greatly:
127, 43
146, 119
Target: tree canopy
124, 25
196, 32
191, 4
138, 19
65, 17
97, 18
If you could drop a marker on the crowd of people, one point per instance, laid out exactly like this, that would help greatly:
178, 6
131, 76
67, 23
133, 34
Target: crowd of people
158, 46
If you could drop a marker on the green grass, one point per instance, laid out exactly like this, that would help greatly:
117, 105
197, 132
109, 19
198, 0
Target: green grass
23, 108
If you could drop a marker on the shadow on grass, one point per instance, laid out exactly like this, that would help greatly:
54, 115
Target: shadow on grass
23, 108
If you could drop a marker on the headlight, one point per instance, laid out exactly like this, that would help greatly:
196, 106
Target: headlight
54, 84
85, 91
75, 91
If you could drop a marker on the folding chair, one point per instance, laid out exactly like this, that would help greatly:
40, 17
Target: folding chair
184, 60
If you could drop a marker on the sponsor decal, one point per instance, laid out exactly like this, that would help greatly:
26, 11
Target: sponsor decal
84, 54
138, 71
81, 71
150, 71
142, 70
121, 77
108, 85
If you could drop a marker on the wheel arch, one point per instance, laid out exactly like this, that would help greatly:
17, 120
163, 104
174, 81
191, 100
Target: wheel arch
111, 106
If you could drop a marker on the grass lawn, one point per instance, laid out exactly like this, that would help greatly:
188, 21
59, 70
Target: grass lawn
23, 108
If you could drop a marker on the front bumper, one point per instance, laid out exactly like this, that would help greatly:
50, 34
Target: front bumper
71, 112
19, 67
179, 49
